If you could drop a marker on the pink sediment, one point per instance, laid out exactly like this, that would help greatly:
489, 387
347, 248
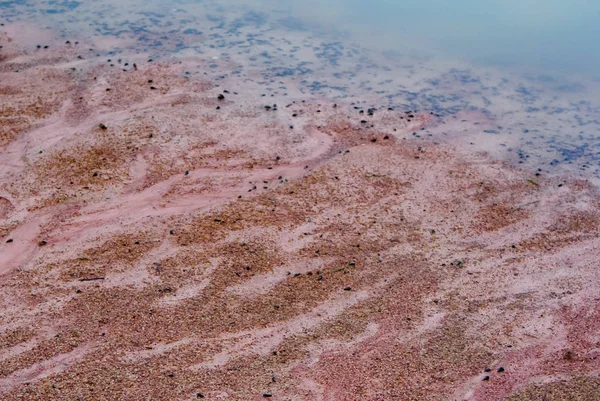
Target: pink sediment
167, 252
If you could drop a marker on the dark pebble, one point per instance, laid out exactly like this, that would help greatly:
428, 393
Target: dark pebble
386, 137
267, 395
186, 172
172, 232
220, 97
199, 395
8, 241
347, 289
486, 378
487, 370
153, 87
500, 369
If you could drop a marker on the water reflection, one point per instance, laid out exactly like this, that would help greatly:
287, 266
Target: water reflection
449, 59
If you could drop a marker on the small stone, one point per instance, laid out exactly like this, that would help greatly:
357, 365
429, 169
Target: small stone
267, 395
487, 370
172, 232
8, 241
347, 289
500, 369
199, 395
186, 172
102, 126
221, 96
486, 378
42, 243
153, 87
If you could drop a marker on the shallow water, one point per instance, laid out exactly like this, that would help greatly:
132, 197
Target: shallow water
528, 70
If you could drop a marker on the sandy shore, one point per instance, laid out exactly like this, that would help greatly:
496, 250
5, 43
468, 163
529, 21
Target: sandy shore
166, 235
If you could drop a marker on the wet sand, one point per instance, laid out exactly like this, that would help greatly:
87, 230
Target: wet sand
226, 224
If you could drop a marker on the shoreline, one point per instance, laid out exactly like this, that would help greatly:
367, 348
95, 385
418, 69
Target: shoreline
172, 244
